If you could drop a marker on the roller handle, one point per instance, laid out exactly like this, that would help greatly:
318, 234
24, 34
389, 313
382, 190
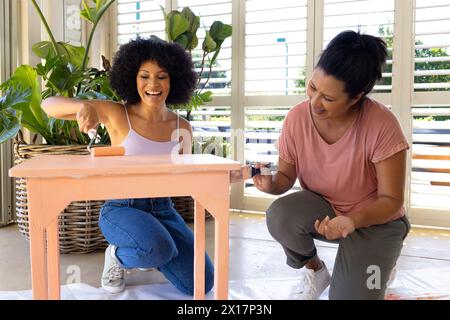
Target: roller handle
107, 151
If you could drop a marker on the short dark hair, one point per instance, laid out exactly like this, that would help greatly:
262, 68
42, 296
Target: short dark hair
356, 59
169, 56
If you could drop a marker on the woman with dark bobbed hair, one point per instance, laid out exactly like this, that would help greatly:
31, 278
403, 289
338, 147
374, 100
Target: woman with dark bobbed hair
149, 75
349, 153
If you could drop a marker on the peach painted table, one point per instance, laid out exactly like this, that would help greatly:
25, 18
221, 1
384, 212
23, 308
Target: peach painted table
55, 181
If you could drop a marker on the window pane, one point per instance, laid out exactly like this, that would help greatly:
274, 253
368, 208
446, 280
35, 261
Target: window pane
374, 17
139, 18
275, 47
432, 40
430, 176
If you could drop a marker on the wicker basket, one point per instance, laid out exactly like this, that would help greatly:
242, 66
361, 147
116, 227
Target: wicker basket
185, 207
78, 223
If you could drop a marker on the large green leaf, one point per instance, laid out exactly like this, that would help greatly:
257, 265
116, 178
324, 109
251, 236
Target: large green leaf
64, 78
88, 13
93, 14
192, 19
220, 31
193, 43
209, 45
43, 49
26, 77
67, 52
177, 25
14, 96
9, 125
183, 40
206, 96
75, 54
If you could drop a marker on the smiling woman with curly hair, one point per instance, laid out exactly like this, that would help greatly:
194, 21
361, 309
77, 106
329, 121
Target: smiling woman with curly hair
171, 57
148, 74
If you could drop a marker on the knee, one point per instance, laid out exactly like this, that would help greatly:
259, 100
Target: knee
277, 218
159, 253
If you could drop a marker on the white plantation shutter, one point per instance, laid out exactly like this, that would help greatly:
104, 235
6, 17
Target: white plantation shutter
275, 46
374, 17
432, 44
430, 176
275, 62
139, 18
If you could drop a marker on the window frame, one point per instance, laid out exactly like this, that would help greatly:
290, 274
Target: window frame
401, 98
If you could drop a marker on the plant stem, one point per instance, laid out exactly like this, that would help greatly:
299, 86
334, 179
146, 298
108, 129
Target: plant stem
207, 79
91, 36
201, 70
47, 28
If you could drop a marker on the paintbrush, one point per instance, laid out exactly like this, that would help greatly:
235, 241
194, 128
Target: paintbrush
249, 171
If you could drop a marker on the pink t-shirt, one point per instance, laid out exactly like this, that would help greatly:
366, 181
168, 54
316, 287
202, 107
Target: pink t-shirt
343, 172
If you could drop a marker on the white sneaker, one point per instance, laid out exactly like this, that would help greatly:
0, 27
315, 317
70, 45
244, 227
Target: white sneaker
145, 269
311, 285
113, 277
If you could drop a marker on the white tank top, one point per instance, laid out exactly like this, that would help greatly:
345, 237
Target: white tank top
135, 144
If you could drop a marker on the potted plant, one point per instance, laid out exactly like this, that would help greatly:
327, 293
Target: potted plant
181, 27
63, 71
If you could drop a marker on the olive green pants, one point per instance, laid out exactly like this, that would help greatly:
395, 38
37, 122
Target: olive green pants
365, 258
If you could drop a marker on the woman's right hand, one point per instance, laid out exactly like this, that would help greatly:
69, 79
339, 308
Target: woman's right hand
263, 182
87, 117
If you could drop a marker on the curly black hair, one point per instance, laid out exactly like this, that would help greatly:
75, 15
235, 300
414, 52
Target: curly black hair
169, 56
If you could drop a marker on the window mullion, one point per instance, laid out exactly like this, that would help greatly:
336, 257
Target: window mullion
238, 96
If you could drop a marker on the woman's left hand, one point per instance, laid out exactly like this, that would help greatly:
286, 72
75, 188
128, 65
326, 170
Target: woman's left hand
336, 228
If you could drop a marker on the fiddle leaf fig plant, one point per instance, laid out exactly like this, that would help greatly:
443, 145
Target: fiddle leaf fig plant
181, 27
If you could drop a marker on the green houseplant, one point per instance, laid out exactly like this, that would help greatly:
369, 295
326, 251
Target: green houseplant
181, 27
64, 72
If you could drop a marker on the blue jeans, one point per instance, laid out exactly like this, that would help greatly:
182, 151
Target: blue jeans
150, 233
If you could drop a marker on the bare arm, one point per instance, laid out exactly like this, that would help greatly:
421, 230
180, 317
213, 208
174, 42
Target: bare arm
391, 187
280, 182
391, 184
71, 109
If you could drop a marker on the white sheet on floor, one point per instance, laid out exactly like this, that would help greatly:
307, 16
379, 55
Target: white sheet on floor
409, 284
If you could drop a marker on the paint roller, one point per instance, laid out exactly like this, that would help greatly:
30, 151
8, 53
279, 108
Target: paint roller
102, 151
249, 171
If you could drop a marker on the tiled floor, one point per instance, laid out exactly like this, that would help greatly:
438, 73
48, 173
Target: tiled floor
253, 255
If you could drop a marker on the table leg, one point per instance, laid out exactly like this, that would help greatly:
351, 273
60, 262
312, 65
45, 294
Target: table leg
38, 265
44, 207
53, 271
217, 201
221, 257
199, 251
